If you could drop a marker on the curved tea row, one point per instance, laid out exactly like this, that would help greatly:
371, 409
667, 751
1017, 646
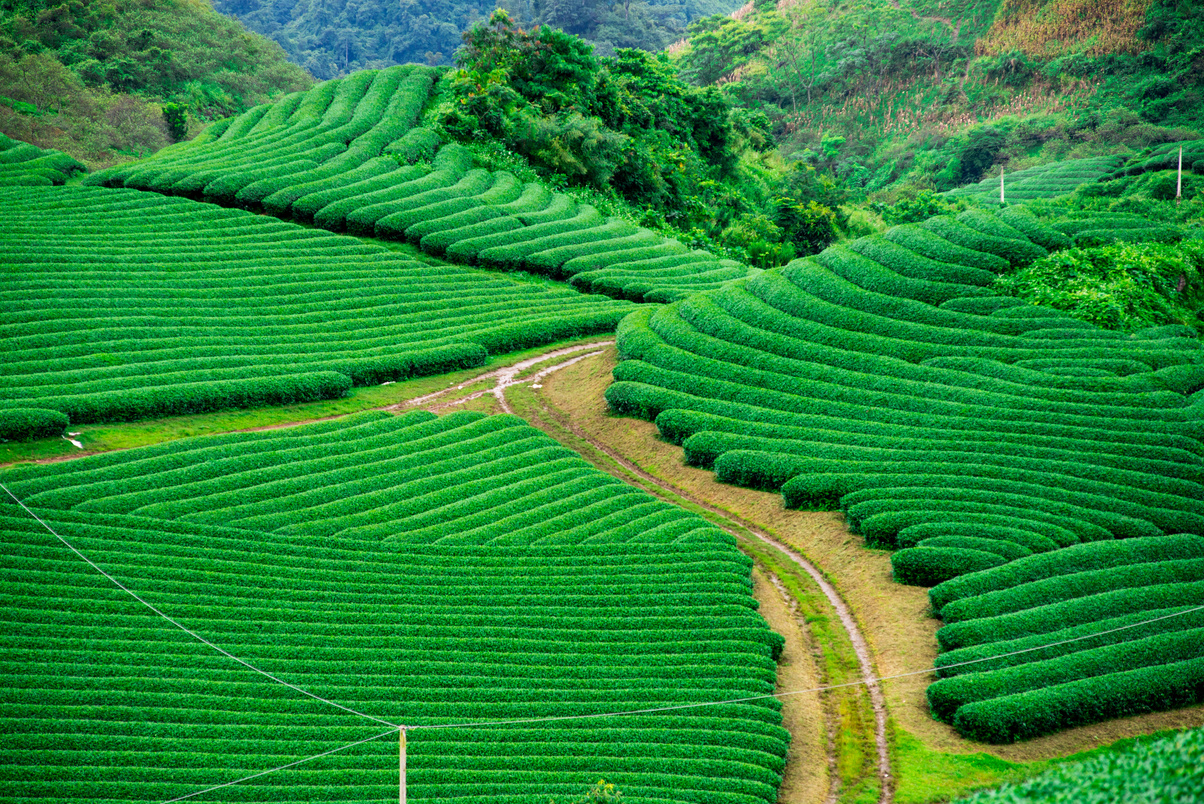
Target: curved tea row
25, 165
967, 430
120, 305
1041, 181
347, 156
406, 567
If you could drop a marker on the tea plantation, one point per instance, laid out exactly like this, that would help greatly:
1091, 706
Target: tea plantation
347, 155
1043, 181
974, 434
119, 305
25, 165
434, 572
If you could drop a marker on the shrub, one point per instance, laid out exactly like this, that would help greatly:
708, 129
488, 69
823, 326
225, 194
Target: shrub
24, 424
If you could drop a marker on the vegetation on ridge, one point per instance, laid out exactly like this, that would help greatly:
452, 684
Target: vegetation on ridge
106, 81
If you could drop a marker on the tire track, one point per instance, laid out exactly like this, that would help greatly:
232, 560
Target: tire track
845, 615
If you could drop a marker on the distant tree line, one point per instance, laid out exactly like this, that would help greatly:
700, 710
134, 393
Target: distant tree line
335, 37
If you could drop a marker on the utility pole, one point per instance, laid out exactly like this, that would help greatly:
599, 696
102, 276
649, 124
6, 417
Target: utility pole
401, 788
1179, 180
1001, 186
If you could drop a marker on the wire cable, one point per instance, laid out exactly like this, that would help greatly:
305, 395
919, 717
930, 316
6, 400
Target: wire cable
866, 682
284, 767
184, 628
554, 718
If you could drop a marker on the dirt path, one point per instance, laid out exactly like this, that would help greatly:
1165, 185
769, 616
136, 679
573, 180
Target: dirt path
860, 646
505, 377
515, 375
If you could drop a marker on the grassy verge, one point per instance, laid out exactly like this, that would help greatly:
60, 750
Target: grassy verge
124, 435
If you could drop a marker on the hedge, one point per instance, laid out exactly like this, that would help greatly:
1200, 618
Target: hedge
1067, 613
1015, 251
934, 247
1098, 555
25, 424
1028, 541
930, 565
1040, 647
1079, 703
946, 696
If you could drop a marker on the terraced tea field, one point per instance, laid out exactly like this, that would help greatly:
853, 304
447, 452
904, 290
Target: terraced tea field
965, 430
25, 165
442, 573
347, 156
120, 305
1043, 181
453, 574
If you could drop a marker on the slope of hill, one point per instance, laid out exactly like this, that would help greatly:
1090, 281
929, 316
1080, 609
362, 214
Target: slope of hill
107, 81
345, 156
975, 435
331, 38
450, 574
169, 306
24, 164
907, 95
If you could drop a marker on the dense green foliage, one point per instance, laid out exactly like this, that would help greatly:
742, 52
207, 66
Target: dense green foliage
120, 305
1147, 771
98, 80
628, 125
345, 156
902, 95
1125, 286
427, 571
331, 38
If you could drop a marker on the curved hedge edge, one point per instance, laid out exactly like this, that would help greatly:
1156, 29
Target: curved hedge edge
929, 566
26, 424
1032, 714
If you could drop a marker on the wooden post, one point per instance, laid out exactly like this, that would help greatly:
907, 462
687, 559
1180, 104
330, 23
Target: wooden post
1001, 185
1179, 181
401, 789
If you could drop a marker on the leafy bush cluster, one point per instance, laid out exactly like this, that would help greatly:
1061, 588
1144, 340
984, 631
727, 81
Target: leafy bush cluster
106, 80
469, 569
1127, 286
630, 125
194, 308
1157, 768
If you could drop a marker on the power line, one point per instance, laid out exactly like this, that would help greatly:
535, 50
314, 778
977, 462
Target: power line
860, 682
628, 712
184, 628
283, 767
549, 719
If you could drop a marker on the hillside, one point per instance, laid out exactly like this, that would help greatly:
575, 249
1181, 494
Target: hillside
543, 413
107, 82
900, 96
331, 38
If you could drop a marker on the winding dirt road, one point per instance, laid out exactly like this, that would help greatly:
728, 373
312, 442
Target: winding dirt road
509, 377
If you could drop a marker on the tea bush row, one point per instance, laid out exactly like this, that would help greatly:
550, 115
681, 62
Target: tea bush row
228, 309
418, 632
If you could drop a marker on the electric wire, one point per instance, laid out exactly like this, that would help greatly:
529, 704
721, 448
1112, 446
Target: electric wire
527, 721
284, 767
865, 681
395, 727
183, 627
